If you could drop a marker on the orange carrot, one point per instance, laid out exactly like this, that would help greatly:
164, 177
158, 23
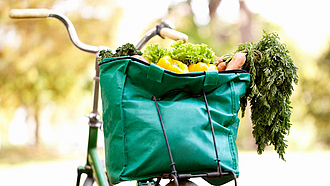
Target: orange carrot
221, 65
218, 59
237, 61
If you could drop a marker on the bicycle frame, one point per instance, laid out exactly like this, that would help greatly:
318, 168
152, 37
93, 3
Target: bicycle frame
94, 168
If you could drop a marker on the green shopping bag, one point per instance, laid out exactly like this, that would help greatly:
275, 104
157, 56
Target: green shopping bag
137, 96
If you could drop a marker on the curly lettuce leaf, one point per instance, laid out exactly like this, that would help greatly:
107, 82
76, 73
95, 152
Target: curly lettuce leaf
189, 53
154, 52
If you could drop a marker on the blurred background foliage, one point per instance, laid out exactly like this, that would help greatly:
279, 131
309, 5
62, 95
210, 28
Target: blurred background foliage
46, 83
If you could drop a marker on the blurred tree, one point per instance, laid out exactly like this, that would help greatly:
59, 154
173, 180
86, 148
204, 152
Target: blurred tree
38, 62
217, 33
316, 96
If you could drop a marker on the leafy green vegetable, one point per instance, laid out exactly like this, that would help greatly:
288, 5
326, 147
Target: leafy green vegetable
126, 50
272, 76
187, 53
154, 52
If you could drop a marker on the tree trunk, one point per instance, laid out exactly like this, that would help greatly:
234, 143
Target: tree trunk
36, 134
245, 22
213, 6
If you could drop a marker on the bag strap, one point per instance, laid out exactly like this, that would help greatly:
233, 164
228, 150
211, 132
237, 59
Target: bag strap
211, 77
174, 172
213, 135
155, 73
219, 170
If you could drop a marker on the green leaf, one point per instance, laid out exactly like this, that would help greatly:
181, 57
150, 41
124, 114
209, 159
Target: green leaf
189, 53
127, 49
154, 52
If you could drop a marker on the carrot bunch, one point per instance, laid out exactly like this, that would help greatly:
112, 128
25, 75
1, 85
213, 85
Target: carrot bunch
231, 62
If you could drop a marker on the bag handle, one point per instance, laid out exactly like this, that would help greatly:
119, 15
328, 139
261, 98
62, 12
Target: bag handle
211, 77
155, 73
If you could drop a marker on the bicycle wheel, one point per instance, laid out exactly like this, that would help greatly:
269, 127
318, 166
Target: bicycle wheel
89, 181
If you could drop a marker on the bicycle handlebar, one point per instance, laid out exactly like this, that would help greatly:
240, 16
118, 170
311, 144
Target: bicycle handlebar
45, 13
173, 34
29, 13
164, 29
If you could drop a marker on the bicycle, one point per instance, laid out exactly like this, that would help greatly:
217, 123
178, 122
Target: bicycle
94, 169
